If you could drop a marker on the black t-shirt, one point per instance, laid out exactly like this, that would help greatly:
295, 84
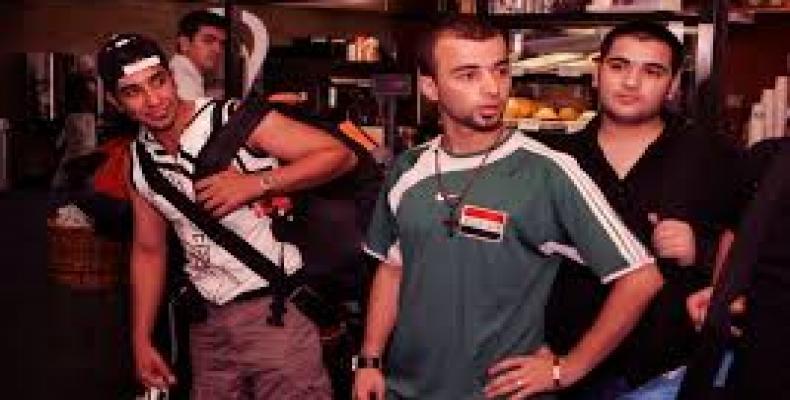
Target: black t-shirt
762, 369
683, 175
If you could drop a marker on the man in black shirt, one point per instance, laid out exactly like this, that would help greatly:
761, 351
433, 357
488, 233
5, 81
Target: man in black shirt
672, 187
758, 268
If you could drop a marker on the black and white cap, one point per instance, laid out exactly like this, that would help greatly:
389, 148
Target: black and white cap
125, 54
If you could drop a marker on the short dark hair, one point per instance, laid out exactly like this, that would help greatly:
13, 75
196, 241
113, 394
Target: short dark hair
191, 23
646, 30
122, 51
459, 26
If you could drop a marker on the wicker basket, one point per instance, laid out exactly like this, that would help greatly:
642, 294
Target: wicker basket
80, 259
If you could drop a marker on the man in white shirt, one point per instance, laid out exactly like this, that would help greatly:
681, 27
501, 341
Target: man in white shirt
200, 48
250, 340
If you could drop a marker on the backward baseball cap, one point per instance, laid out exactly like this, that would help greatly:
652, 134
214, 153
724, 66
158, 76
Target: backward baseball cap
125, 54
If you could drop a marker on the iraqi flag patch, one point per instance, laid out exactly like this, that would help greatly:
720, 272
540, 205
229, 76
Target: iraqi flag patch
482, 223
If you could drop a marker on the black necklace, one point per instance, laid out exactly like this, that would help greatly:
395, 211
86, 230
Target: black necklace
451, 200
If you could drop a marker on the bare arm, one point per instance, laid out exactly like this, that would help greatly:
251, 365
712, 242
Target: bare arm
147, 266
147, 284
523, 376
382, 312
311, 157
628, 298
382, 309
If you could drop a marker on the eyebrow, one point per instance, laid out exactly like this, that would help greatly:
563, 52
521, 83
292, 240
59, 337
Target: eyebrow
468, 67
654, 64
126, 88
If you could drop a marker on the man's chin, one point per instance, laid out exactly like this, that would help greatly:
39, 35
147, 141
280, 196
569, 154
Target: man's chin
487, 124
159, 125
630, 117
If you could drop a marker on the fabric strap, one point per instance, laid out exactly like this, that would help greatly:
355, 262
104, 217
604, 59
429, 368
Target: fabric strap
217, 232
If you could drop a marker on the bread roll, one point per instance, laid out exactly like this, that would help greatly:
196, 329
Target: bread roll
569, 114
545, 114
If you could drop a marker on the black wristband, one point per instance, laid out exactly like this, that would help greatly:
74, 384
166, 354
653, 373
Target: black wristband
358, 362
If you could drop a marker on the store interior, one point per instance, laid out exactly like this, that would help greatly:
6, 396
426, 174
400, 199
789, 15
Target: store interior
348, 60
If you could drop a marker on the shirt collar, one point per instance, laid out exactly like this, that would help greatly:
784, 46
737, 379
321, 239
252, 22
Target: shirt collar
673, 124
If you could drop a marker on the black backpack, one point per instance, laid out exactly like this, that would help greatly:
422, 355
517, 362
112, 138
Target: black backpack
328, 223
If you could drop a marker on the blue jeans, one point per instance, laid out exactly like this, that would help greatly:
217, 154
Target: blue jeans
666, 386
663, 387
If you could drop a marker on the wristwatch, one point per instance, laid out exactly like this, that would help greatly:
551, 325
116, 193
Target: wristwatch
556, 372
359, 361
267, 181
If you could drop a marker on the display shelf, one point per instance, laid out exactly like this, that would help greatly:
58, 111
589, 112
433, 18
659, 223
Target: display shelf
533, 125
554, 78
515, 21
742, 15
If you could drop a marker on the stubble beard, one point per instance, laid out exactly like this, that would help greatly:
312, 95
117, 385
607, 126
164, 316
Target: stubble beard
170, 124
477, 124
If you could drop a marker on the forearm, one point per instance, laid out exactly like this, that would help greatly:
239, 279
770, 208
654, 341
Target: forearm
147, 285
317, 168
382, 309
626, 302
310, 155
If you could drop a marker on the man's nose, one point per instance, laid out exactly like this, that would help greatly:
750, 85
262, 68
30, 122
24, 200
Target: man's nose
152, 97
632, 78
491, 84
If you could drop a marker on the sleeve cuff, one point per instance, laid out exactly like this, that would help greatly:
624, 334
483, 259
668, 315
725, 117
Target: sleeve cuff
392, 257
627, 270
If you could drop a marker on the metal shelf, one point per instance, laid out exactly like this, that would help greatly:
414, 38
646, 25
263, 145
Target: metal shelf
758, 15
550, 78
514, 21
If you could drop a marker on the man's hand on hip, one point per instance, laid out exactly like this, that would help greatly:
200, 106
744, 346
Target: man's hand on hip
520, 377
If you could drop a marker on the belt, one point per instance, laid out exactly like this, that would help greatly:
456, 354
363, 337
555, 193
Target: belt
252, 294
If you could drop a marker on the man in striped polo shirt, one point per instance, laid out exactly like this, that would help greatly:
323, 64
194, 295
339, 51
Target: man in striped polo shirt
249, 345
470, 229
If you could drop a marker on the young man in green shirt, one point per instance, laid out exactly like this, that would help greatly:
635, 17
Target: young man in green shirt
470, 229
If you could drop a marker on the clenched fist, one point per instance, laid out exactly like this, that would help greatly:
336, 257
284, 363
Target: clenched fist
226, 191
369, 384
673, 239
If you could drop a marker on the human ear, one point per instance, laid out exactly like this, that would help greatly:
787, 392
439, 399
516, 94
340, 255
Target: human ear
428, 88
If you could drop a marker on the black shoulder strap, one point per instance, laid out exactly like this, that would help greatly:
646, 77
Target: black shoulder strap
216, 115
735, 278
217, 232
226, 140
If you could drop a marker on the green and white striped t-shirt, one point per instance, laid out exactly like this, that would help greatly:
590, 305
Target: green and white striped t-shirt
473, 297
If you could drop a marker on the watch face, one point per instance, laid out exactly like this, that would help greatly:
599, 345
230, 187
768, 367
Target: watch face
267, 181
